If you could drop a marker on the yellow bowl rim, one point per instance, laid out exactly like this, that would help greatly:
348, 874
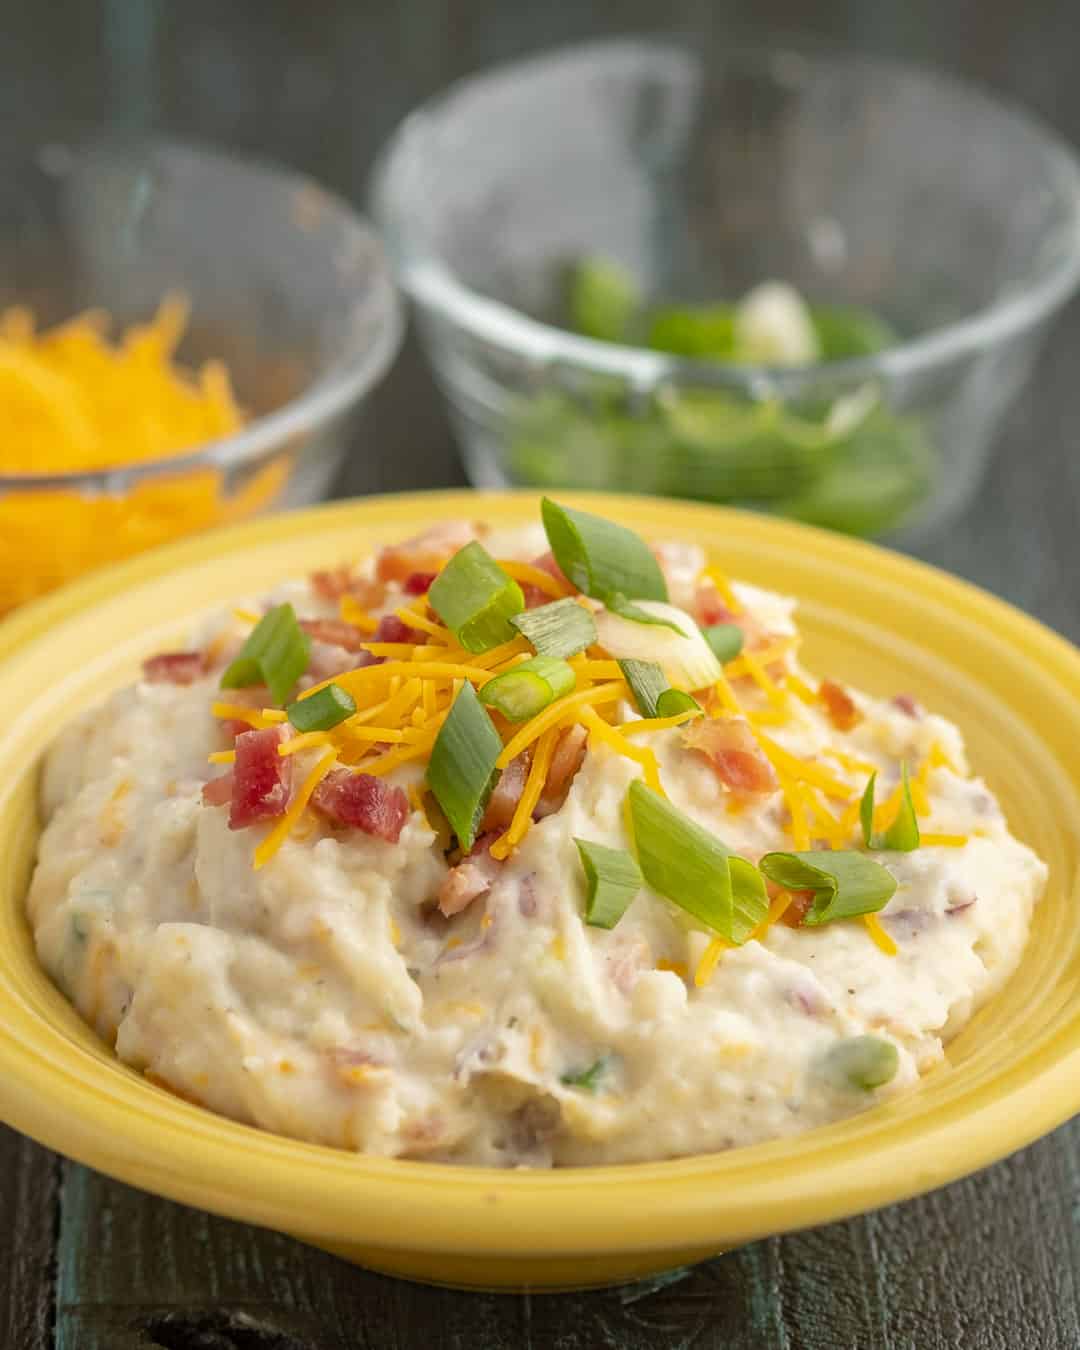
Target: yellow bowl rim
155, 1141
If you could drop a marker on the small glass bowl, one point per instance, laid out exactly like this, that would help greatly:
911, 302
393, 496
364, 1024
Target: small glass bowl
952, 217
287, 286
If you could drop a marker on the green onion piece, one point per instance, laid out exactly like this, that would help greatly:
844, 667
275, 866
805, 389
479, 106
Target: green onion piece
275, 654
588, 1079
674, 701
626, 609
601, 558
863, 1062
845, 884
902, 836
693, 869
647, 682
561, 629
323, 709
476, 599
461, 772
612, 877
526, 690
725, 639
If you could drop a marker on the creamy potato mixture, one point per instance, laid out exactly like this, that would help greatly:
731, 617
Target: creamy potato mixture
293, 927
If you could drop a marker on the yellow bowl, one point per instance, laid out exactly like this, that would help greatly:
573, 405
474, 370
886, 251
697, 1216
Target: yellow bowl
869, 616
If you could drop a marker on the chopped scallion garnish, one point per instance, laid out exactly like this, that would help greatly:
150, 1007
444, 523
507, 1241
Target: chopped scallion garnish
693, 869
845, 884
560, 629
476, 599
626, 609
526, 690
902, 836
600, 558
725, 639
862, 1062
323, 709
275, 653
647, 682
612, 879
588, 1079
461, 772
672, 702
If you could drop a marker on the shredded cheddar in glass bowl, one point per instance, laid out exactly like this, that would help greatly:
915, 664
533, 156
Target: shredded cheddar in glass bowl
218, 322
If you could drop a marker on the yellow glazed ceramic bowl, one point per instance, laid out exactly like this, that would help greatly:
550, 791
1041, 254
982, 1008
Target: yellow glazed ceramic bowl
868, 616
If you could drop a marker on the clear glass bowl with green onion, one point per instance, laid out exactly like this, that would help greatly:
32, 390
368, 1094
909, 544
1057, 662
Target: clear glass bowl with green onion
806, 283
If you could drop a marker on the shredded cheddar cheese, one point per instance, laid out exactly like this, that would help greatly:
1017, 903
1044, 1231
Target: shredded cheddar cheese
724, 588
878, 934
534, 786
301, 797
705, 967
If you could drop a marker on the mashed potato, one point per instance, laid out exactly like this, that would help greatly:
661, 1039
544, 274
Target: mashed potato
393, 997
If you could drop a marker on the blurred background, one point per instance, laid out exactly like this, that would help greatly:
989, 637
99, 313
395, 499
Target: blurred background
321, 87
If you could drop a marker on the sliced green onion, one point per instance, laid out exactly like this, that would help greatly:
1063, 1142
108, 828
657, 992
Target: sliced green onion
693, 869
526, 690
323, 709
275, 653
476, 599
461, 772
561, 629
725, 639
588, 1079
626, 609
612, 878
672, 702
679, 648
845, 883
902, 836
862, 1062
647, 682
601, 558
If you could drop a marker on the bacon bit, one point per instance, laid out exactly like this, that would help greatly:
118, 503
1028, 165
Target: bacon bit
262, 779
426, 552
568, 758
839, 705
507, 794
174, 668
364, 802
470, 879
710, 609
534, 596
419, 583
219, 790
908, 705
730, 747
393, 629
339, 581
334, 632
798, 909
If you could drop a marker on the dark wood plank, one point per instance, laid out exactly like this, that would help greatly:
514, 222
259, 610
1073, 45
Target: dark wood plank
29, 1180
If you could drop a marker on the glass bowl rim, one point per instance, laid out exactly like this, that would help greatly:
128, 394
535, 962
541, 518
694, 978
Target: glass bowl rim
354, 372
433, 284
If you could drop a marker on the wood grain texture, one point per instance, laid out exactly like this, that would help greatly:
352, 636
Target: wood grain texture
29, 1178
990, 1263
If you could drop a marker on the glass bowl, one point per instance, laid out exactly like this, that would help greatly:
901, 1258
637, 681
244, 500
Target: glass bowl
948, 215
287, 286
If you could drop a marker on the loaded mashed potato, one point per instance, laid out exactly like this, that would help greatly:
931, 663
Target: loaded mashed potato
521, 850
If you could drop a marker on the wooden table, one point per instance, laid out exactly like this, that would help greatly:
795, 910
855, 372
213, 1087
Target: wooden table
992, 1262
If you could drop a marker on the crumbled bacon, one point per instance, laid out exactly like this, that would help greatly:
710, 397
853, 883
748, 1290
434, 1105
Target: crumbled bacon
426, 552
262, 779
568, 758
908, 705
798, 909
218, 791
174, 668
364, 802
729, 746
534, 596
470, 879
507, 794
334, 632
393, 629
337, 582
839, 705
709, 609
419, 583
